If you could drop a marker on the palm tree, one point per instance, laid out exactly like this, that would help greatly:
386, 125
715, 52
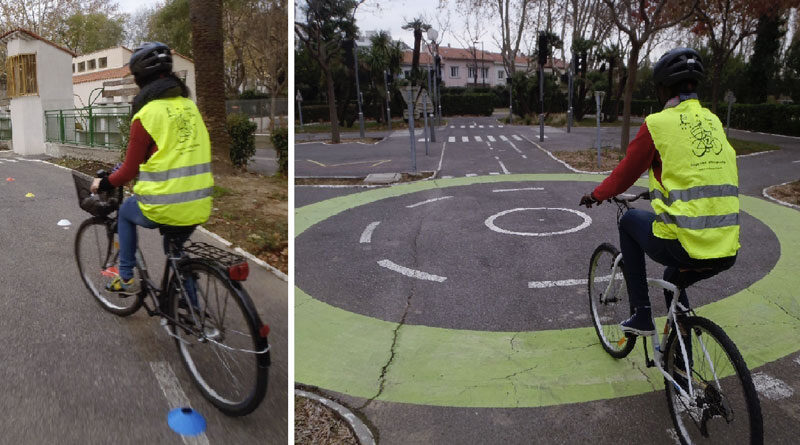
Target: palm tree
418, 26
383, 56
207, 48
612, 55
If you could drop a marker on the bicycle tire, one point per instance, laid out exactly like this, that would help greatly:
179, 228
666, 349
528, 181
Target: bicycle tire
725, 402
211, 380
95, 252
606, 315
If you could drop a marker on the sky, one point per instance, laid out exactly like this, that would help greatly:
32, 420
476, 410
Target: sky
131, 6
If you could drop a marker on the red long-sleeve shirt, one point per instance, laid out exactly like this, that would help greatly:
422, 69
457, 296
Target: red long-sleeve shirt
140, 147
640, 156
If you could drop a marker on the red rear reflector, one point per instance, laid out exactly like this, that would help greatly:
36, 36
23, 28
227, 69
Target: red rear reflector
264, 331
239, 272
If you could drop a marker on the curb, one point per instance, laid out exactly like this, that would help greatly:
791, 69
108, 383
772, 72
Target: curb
201, 229
766, 194
573, 169
361, 431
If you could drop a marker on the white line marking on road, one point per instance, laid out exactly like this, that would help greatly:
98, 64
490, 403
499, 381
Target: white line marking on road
462, 126
480, 126
795, 162
517, 138
452, 126
494, 173
471, 126
175, 396
441, 157
366, 236
503, 138
564, 283
515, 147
464, 139
451, 139
524, 157
410, 272
427, 201
505, 170
421, 140
491, 126
562, 162
491, 138
491, 225
478, 139
771, 387
448, 177
499, 126
517, 190
469, 175
11, 160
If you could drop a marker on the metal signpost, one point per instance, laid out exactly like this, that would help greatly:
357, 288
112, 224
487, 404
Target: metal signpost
598, 98
569, 110
432, 36
541, 102
411, 129
358, 93
299, 98
730, 98
388, 97
427, 132
510, 101
432, 130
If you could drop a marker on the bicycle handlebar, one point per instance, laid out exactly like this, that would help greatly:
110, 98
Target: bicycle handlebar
625, 201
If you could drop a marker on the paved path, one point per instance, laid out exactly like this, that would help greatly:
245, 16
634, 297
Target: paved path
73, 373
437, 298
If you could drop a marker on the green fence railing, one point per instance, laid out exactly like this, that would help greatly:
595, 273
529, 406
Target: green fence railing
90, 126
5, 127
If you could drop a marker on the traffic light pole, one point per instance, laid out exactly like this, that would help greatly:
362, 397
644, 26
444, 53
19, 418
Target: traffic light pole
358, 93
388, 96
541, 103
432, 129
569, 110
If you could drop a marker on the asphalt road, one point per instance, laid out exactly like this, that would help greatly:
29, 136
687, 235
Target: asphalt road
427, 262
73, 373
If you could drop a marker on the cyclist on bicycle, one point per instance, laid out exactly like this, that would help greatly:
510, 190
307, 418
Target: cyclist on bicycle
693, 186
169, 149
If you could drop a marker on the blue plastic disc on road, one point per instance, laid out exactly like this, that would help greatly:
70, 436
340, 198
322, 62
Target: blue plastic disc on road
186, 421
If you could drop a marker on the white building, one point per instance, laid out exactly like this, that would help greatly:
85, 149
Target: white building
91, 71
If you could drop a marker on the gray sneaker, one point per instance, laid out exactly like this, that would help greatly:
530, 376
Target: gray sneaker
122, 287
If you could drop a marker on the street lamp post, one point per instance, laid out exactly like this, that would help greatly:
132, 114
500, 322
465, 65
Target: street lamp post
433, 34
483, 75
358, 92
299, 98
569, 76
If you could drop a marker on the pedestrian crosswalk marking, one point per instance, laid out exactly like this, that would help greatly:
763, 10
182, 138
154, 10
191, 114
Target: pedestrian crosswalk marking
478, 139
517, 138
462, 126
452, 126
480, 126
491, 138
451, 139
503, 138
464, 139
471, 126
499, 126
491, 126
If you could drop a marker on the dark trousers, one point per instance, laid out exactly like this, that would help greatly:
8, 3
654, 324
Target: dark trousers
636, 238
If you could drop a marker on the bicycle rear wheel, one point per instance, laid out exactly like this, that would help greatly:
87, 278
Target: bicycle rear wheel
609, 305
224, 351
727, 408
97, 257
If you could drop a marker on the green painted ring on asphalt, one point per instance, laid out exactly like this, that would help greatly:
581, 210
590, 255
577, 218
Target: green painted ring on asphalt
345, 352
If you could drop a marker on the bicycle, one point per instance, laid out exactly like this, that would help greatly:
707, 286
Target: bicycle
200, 301
716, 400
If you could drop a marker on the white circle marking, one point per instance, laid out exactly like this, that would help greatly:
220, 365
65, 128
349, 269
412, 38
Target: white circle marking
491, 225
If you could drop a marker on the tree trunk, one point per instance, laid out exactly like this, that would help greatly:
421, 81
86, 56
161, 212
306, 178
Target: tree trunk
272, 105
716, 74
633, 63
332, 106
207, 47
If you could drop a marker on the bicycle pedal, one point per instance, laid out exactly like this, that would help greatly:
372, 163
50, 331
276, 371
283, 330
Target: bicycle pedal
650, 363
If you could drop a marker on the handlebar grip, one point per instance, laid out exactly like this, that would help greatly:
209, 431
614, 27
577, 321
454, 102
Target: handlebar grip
101, 173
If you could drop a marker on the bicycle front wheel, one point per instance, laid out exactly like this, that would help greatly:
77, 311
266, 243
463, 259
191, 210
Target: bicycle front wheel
725, 406
608, 301
219, 342
97, 257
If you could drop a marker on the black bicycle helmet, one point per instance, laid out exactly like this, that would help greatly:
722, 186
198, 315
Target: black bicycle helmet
150, 59
677, 65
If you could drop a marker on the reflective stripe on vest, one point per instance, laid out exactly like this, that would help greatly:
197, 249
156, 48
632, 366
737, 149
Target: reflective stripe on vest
696, 200
175, 184
699, 192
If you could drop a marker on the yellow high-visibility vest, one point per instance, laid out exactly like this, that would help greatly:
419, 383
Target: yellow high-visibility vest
175, 184
698, 203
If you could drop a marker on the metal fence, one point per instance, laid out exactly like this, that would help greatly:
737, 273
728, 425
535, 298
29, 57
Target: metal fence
258, 110
97, 126
5, 126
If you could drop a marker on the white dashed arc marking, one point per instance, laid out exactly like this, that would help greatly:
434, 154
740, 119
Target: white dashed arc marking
410, 272
517, 190
427, 202
366, 236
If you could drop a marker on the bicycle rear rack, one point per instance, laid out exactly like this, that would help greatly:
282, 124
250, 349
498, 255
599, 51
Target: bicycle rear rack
213, 253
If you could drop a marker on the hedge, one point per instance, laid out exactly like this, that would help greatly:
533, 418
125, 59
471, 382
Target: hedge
468, 104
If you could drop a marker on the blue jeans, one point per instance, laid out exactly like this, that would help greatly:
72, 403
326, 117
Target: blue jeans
636, 238
130, 216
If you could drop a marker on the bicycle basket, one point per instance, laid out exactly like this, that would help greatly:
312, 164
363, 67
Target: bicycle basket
97, 205
236, 265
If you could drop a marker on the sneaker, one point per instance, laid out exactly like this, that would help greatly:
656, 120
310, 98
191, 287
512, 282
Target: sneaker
640, 323
123, 287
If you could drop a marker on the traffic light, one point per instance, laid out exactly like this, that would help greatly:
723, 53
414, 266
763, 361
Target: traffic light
389, 78
543, 50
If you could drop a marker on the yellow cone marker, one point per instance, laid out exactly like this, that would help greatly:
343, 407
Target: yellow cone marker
30, 195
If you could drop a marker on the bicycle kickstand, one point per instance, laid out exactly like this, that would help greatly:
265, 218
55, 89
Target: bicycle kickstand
650, 363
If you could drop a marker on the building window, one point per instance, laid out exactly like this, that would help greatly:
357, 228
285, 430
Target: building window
501, 74
472, 72
93, 64
407, 73
73, 67
21, 75
81, 67
453, 71
484, 73
103, 62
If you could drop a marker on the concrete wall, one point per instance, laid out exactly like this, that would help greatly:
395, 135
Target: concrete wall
54, 79
117, 58
179, 64
57, 150
461, 80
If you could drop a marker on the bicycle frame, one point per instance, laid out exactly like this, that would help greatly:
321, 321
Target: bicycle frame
660, 342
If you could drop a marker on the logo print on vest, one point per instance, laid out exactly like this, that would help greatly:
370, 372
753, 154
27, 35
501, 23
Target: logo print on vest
701, 135
183, 121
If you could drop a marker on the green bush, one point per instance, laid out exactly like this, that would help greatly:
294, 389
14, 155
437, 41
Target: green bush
280, 140
243, 139
468, 104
